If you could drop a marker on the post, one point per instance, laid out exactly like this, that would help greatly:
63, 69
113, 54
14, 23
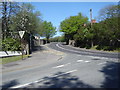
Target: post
91, 16
21, 33
21, 48
91, 25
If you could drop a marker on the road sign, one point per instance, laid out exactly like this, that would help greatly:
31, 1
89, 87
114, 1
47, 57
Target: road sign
21, 33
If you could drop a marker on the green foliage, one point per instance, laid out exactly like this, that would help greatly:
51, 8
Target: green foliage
48, 30
10, 44
71, 25
57, 39
26, 19
21, 18
105, 34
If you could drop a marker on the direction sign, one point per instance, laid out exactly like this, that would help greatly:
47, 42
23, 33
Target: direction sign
21, 33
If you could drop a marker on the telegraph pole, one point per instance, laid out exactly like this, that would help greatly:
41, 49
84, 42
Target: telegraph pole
91, 25
91, 17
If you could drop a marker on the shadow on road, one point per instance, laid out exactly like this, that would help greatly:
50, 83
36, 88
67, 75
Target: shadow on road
112, 75
38, 48
62, 80
9, 84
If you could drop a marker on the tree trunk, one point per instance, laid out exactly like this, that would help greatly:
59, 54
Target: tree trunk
92, 43
48, 40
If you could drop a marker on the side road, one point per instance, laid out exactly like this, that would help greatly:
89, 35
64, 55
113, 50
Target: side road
43, 56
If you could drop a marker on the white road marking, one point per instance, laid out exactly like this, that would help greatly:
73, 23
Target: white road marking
23, 85
67, 64
71, 71
19, 86
98, 57
61, 65
79, 60
102, 63
87, 61
65, 49
65, 73
79, 55
104, 58
93, 56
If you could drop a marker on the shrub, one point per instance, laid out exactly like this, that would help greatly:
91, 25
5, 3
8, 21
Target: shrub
10, 44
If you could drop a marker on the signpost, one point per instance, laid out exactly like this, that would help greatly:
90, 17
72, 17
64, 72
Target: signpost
21, 33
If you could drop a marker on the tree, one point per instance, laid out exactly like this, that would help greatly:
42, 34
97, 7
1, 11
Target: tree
71, 26
8, 9
109, 12
48, 30
26, 20
109, 23
57, 39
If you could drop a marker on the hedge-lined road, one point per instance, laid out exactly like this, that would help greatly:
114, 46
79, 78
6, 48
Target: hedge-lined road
75, 69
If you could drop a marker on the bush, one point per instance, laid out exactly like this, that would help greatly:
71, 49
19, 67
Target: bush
88, 46
10, 44
108, 48
99, 47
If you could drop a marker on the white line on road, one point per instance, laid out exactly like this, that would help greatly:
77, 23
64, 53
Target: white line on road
79, 55
71, 71
102, 63
79, 60
67, 63
87, 61
65, 73
24, 85
97, 57
66, 49
93, 56
19, 86
61, 65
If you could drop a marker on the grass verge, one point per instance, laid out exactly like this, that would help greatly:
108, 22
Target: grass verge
94, 48
11, 59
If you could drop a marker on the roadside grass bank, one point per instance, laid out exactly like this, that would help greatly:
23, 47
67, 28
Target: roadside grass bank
95, 48
6, 60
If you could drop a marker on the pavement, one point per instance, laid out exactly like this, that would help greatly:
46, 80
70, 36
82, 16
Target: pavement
37, 58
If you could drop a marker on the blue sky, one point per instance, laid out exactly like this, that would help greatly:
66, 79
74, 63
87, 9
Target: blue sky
56, 12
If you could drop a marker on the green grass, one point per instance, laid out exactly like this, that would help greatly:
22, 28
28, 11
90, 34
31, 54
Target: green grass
11, 59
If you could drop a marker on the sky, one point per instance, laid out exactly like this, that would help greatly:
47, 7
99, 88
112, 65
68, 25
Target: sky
56, 12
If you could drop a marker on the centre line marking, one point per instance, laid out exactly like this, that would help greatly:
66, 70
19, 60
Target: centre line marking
71, 71
102, 63
62, 65
24, 85
67, 64
59, 66
87, 61
79, 55
79, 60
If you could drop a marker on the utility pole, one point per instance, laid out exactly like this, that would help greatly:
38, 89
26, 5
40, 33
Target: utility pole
91, 25
91, 17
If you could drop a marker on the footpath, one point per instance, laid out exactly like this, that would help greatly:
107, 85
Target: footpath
41, 57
